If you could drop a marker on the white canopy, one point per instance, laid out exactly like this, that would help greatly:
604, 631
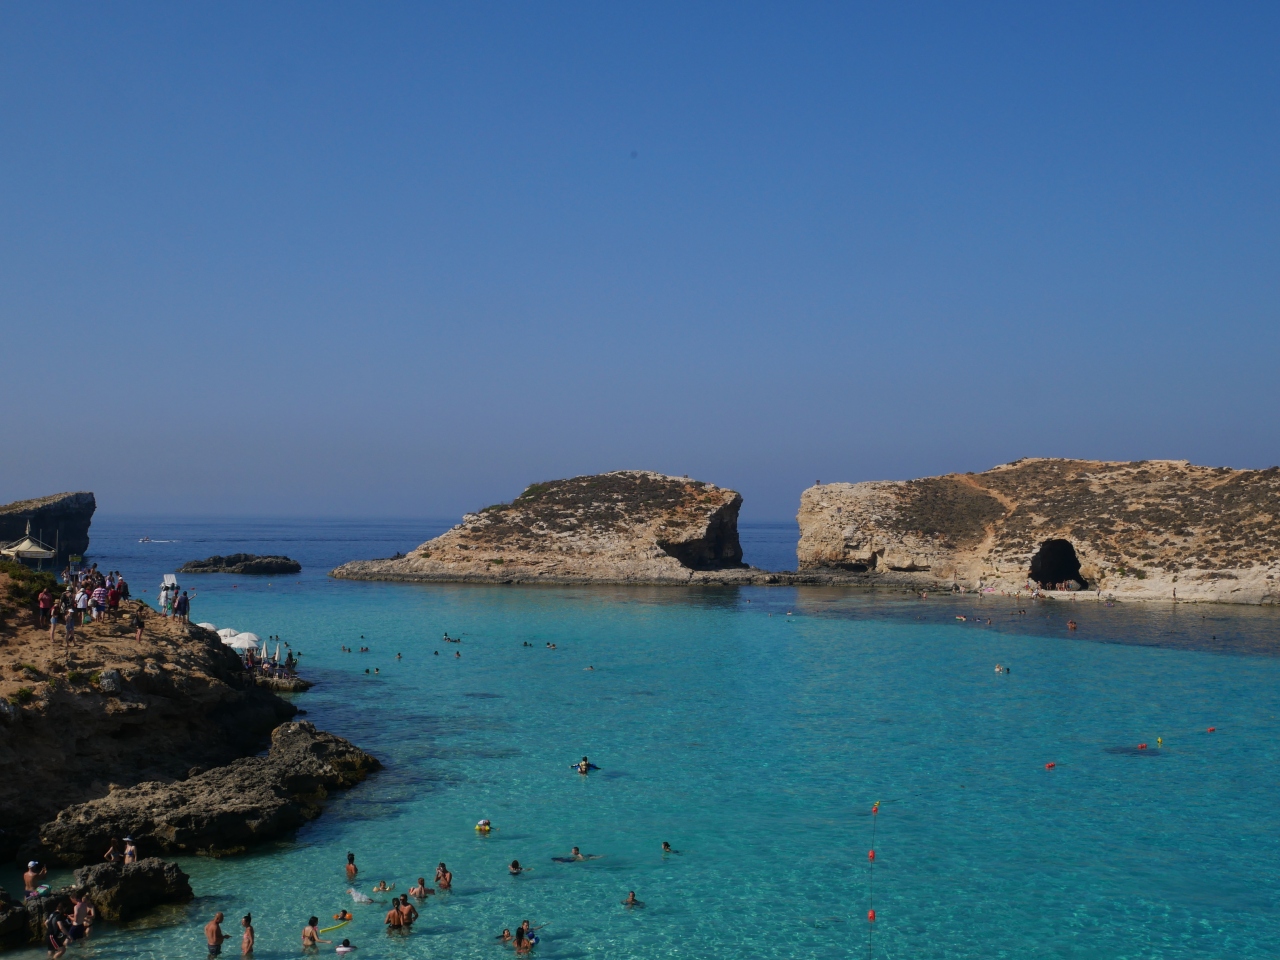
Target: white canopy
250, 638
226, 633
208, 626
242, 642
28, 548
169, 580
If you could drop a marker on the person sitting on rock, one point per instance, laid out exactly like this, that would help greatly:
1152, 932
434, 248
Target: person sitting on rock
34, 876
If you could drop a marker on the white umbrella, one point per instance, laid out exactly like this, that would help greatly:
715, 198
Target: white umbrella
208, 626
241, 642
226, 633
277, 656
249, 638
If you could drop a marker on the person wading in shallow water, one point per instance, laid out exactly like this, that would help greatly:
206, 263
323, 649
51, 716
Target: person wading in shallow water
213, 934
352, 869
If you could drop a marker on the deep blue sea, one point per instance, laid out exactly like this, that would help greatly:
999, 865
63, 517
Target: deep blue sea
753, 728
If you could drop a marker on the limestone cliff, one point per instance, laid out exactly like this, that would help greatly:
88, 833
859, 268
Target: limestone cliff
1136, 530
60, 521
630, 526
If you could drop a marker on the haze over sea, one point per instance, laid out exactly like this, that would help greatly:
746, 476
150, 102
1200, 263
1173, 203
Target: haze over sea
756, 743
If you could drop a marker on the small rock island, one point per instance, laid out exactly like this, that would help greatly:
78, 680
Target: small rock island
629, 526
244, 563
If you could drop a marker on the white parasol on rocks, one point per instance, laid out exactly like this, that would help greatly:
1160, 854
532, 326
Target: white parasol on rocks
242, 641
226, 633
207, 626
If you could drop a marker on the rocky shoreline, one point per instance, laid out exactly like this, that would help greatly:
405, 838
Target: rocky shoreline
155, 739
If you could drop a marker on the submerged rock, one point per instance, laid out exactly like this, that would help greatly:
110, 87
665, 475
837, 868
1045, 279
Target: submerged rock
218, 811
244, 563
630, 526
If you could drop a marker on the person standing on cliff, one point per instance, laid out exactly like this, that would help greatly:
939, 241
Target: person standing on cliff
45, 604
213, 934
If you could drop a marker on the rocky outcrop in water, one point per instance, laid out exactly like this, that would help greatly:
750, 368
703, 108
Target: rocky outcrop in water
118, 893
630, 526
121, 891
60, 521
243, 563
219, 811
1138, 530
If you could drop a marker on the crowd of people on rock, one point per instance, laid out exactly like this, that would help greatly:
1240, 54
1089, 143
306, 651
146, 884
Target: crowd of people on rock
88, 595
272, 666
67, 918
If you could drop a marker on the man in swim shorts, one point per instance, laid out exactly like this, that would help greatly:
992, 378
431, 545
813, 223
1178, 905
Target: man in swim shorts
33, 877
407, 913
213, 934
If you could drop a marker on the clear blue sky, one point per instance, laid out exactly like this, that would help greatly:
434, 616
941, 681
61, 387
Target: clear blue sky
404, 259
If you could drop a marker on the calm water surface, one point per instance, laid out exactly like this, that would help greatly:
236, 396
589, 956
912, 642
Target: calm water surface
755, 742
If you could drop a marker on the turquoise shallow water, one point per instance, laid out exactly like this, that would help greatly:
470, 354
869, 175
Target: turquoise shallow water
756, 743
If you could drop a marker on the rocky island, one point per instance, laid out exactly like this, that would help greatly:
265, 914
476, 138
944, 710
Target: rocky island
629, 526
1150, 529
243, 563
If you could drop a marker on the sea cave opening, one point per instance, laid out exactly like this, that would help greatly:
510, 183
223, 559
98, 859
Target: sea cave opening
1056, 563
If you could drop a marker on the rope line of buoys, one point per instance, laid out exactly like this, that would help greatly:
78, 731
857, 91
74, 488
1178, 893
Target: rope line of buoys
871, 876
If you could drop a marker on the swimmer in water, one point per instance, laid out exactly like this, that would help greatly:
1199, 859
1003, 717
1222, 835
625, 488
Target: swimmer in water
444, 879
515, 868
505, 936
576, 854
421, 891
1071, 624
352, 869
631, 900
458, 654
382, 887
345, 947
999, 669
666, 848
398, 657
588, 668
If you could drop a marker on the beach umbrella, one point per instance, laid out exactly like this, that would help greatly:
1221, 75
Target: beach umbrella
277, 656
207, 626
250, 638
241, 642
226, 633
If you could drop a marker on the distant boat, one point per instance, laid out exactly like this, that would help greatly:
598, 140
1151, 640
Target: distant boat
145, 540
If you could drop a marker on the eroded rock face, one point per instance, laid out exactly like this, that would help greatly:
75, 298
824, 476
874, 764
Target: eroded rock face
1139, 530
627, 526
61, 521
242, 563
219, 811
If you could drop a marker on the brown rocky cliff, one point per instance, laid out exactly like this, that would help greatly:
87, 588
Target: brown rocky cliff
117, 712
627, 526
1130, 529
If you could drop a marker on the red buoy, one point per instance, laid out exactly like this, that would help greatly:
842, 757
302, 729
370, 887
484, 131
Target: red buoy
871, 854
871, 916
1050, 766
1142, 746
1211, 729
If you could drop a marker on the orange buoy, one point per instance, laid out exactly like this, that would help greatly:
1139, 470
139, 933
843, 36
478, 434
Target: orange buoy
1050, 766
1142, 746
1211, 729
871, 854
875, 808
871, 916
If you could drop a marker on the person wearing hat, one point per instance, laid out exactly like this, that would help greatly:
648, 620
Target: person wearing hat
34, 876
130, 851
